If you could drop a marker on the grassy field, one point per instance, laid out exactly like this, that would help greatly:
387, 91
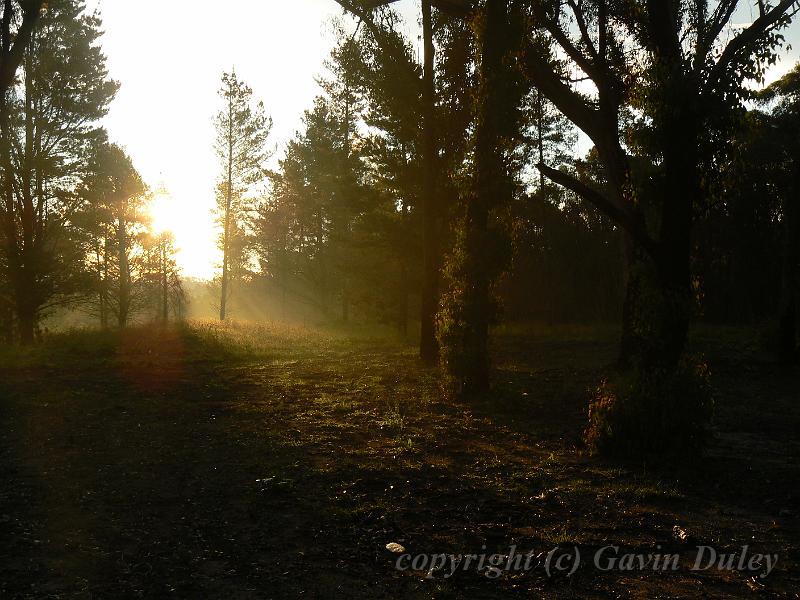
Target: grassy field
246, 461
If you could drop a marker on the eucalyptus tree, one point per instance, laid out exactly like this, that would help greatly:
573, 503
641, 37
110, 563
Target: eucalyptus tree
483, 246
679, 68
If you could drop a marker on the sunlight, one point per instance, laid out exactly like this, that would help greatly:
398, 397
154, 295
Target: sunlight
163, 211
193, 229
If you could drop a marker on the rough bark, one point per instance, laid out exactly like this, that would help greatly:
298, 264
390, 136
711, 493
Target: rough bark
489, 191
787, 324
428, 346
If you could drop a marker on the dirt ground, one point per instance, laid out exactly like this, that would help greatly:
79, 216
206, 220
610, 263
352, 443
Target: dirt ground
250, 461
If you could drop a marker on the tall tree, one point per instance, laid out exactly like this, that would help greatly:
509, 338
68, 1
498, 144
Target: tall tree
430, 197
161, 276
785, 122
483, 248
12, 48
666, 59
50, 120
242, 132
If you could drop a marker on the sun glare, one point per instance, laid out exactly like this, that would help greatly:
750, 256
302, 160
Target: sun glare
162, 213
193, 230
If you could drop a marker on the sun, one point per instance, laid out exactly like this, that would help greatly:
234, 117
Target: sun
192, 228
163, 213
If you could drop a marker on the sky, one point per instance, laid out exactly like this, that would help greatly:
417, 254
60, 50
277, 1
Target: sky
169, 55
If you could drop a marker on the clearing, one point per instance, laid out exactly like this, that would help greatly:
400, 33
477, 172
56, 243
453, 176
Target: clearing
255, 461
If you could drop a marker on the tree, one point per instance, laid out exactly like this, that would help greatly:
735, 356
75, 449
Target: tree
665, 59
431, 209
161, 276
482, 249
242, 132
115, 217
12, 48
345, 102
49, 121
784, 126
315, 202
392, 90
429, 350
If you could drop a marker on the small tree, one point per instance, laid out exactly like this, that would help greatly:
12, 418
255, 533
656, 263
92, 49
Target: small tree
114, 217
242, 132
161, 276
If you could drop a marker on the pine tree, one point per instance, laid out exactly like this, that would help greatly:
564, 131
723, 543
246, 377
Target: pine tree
115, 220
52, 121
242, 132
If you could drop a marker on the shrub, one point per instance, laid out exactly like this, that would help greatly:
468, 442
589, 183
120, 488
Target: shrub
645, 413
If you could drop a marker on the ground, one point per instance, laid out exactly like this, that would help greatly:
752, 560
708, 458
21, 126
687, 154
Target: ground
255, 461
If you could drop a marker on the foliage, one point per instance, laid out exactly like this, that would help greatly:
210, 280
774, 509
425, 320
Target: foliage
114, 224
50, 121
647, 413
242, 130
482, 249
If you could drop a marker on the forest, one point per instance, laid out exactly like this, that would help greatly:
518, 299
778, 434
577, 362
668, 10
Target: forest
512, 314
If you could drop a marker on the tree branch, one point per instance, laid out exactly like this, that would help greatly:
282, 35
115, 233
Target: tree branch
560, 36
12, 58
758, 28
622, 217
572, 104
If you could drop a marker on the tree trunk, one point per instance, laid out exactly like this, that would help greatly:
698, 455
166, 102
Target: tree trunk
223, 302
489, 183
659, 296
19, 251
402, 312
26, 318
165, 283
124, 272
428, 345
789, 277
101, 283
658, 300
633, 263
682, 192
27, 304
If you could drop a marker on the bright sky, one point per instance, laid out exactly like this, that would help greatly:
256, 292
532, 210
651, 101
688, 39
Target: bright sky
169, 56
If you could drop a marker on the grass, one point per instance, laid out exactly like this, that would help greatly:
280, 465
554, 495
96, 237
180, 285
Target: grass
252, 460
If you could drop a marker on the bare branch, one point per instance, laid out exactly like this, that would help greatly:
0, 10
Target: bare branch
624, 218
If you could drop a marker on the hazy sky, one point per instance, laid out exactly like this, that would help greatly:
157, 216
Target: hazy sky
169, 56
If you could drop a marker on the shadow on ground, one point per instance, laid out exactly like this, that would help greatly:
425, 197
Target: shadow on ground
255, 462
